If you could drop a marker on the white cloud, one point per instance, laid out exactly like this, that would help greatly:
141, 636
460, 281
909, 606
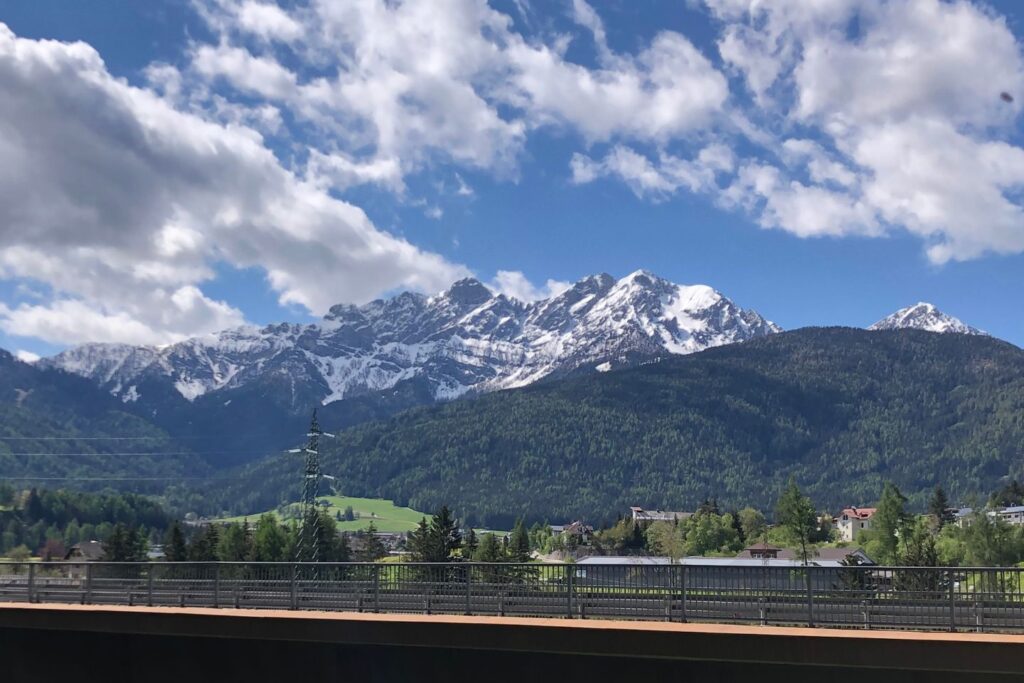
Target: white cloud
668, 90
403, 84
255, 75
655, 179
514, 284
26, 356
902, 120
804, 210
122, 204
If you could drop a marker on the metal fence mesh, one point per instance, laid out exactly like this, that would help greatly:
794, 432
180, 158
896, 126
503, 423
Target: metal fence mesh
927, 598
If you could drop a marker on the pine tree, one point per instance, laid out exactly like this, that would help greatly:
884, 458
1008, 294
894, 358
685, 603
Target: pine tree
489, 550
235, 544
889, 522
469, 543
204, 545
938, 506
34, 507
519, 543
270, 541
175, 549
419, 542
796, 513
371, 548
445, 535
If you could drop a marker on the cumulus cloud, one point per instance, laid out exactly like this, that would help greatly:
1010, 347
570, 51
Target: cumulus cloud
514, 284
897, 129
831, 118
656, 179
122, 204
411, 82
26, 356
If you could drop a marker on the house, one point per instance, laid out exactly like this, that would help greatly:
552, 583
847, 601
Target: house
962, 517
1011, 515
766, 551
86, 551
853, 520
642, 516
79, 554
582, 532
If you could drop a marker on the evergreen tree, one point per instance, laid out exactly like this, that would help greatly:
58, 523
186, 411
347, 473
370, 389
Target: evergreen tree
418, 541
125, 544
489, 550
737, 526
271, 542
796, 514
204, 545
235, 544
437, 540
470, 542
710, 505
889, 522
175, 549
519, 543
753, 523
938, 506
371, 548
444, 531
1009, 495
33, 507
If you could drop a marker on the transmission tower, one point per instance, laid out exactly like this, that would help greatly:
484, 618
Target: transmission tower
308, 547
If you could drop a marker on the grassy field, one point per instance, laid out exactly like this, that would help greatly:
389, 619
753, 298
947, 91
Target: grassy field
384, 514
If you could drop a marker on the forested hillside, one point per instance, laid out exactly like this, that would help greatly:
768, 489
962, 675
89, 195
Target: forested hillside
840, 409
57, 429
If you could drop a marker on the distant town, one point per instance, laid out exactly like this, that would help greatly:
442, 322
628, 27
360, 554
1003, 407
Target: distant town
85, 527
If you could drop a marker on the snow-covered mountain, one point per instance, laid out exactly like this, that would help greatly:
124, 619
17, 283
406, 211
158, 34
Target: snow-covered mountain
466, 339
924, 316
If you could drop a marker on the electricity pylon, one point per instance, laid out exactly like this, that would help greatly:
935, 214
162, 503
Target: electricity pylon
308, 547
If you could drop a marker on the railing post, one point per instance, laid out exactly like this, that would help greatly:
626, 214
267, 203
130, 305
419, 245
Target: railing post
294, 595
31, 582
216, 585
952, 600
149, 587
376, 588
570, 572
683, 597
810, 597
88, 583
469, 589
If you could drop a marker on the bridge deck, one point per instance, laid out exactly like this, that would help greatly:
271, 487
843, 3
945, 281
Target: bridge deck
965, 653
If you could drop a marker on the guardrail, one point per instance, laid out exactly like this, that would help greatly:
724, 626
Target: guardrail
929, 598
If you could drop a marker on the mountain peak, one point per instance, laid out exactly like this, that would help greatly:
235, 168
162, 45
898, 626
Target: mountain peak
468, 291
924, 316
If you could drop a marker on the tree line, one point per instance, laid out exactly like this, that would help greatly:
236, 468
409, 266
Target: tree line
841, 411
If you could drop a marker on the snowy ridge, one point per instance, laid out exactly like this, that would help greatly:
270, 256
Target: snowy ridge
924, 316
466, 339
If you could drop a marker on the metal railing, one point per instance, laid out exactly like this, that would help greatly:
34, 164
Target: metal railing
977, 599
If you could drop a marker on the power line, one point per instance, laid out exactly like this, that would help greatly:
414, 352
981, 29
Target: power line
42, 453
74, 478
103, 438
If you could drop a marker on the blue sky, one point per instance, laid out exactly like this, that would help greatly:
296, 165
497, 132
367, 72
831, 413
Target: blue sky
214, 167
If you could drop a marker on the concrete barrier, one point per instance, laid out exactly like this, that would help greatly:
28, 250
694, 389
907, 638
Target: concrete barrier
196, 644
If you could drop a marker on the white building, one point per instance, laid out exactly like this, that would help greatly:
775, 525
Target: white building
643, 516
1011, 515
852, 520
